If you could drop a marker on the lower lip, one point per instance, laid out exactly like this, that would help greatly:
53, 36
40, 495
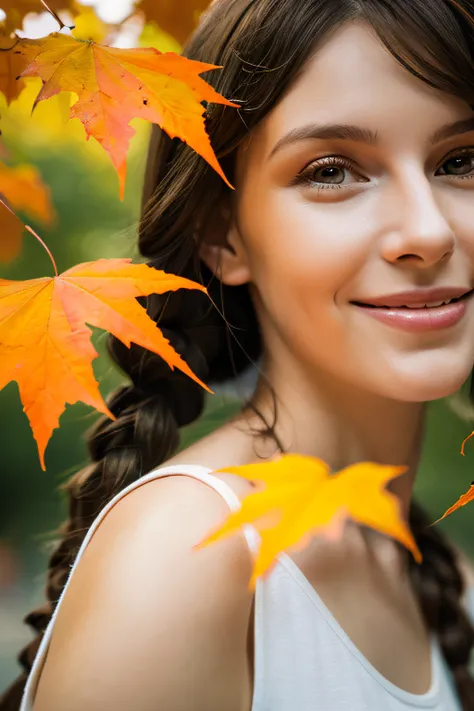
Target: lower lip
419, 320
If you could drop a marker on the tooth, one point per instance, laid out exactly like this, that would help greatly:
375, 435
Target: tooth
429, 305
435, 303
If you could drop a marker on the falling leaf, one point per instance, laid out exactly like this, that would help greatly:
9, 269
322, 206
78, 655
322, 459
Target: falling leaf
462, 501
25, 191
302, 498
45, 344
116, 85
179, 24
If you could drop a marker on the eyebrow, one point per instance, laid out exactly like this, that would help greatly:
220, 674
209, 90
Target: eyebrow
350, 132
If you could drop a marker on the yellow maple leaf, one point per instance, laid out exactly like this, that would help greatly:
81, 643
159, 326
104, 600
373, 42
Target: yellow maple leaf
302, 498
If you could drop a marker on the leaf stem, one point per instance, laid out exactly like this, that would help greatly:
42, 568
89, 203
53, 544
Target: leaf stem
58, 19
27, 227
30, 229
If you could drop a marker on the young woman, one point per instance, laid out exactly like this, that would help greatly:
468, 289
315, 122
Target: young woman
352, 156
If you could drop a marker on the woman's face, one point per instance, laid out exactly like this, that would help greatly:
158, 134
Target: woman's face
369, 219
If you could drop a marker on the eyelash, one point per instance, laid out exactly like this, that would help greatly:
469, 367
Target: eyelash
304, 178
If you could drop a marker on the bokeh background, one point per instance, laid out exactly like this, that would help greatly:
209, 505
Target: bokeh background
93, 222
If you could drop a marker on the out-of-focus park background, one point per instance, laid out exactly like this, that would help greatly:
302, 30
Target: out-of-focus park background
92, 222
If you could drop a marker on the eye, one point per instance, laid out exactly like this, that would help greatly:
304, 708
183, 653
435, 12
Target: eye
462, 161
330, 168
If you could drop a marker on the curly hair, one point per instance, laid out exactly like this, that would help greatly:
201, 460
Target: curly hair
262, 45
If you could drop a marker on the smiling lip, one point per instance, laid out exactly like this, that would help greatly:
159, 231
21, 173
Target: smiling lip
416, 296
419, 319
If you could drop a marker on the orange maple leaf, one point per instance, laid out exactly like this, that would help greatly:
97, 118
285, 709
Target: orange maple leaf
116, 85
302, 498
24, 190
462, 501
45, 345
178, 24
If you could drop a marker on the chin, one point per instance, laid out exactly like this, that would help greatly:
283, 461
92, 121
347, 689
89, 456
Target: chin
424, 388
422, 375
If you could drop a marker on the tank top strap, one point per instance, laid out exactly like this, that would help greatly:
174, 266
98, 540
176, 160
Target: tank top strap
193, 470
205, 475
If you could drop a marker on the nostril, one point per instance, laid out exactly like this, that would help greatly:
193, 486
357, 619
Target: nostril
404, 257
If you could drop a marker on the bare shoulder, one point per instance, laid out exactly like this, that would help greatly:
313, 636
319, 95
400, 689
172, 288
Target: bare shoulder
147, 622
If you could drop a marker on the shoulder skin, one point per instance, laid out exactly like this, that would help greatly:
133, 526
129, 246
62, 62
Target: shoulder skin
148, 623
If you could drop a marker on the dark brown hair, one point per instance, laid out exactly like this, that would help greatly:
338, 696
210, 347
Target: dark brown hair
262, 45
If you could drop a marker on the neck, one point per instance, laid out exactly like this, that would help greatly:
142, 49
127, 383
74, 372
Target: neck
343, 425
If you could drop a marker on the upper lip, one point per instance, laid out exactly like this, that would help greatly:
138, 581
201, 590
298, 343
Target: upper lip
417, 296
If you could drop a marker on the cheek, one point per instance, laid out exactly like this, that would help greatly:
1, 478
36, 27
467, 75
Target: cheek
305, 260
305, 255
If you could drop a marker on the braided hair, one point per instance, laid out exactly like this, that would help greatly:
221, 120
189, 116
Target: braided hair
262, 46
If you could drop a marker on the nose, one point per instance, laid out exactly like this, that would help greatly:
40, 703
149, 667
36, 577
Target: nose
422, 235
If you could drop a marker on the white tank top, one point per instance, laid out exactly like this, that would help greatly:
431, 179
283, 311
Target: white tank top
304, 661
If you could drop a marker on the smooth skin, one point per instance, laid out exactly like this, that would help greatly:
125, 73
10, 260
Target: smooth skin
148, 624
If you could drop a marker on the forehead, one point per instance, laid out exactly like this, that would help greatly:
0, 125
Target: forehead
353, 78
